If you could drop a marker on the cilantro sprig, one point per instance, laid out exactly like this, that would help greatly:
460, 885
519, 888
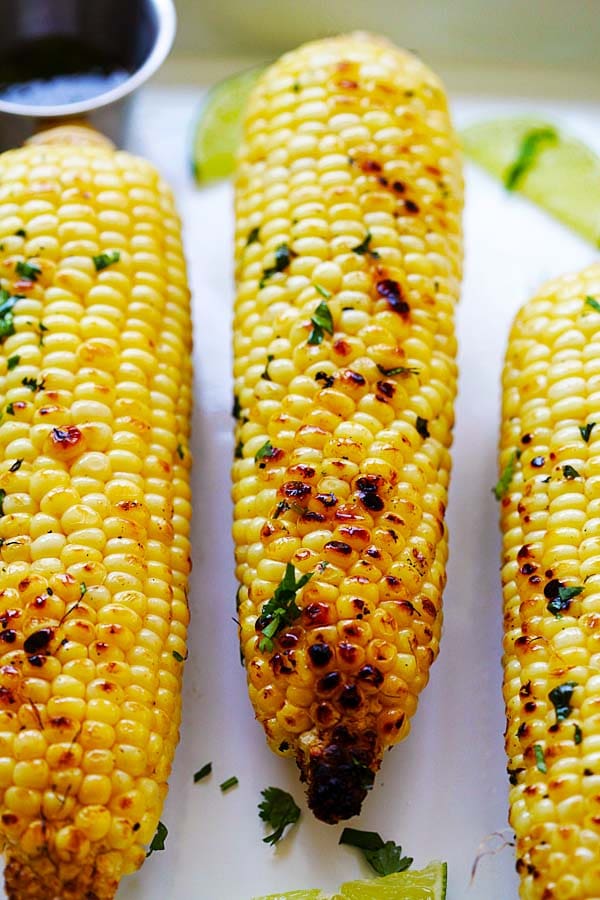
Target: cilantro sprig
322, 321
158, 841
560, 697
281, 609
104, 260
385, 857
283, 258
278, 809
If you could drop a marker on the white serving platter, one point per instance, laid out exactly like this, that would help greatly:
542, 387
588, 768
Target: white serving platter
445, 789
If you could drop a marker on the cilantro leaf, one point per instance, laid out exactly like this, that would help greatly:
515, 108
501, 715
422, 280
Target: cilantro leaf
28, 270
253, 236
279, 810
322, 322
158, 841
586, 430
540, 760
578, 736
506, 477
12, 362
365, 247
384, 857
104, 260
283, 258
593, 303
7, 302
569, 472
560, 697
388, 859
560, 600
529, 150
281, 609
266, 452
398, 370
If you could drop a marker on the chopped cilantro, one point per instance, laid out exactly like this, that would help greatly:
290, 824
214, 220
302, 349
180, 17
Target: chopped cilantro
158, 841
561, 600
16, 465
12, 362
229, 783
384, 857
540, 761
507, 476
28, 270
7, 302
569, 472
180, 452
82, 589
253, 236
238, 453
279, 810
281, 609
10, 409
578, 736
398, 370
365, 247
20, 232
586, 431
322, 321
560, 697
177, 656
265, 452
2, 498
529, 150
204, 772
236, 411
104, 260
283, 258
33, 384
593, 303
422, 426
322, 291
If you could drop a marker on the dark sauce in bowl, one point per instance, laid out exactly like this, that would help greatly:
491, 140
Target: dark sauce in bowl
54, 70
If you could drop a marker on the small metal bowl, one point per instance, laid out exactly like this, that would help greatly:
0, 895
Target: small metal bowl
140, 32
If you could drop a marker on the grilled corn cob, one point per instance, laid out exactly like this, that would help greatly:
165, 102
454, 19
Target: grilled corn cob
550, 454
348, 261
94, 512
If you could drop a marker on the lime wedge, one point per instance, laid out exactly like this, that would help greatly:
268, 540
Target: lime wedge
295, 895
554, 170
423, 884
218, 130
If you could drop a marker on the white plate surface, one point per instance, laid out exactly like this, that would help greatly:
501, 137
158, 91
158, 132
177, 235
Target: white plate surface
445, 789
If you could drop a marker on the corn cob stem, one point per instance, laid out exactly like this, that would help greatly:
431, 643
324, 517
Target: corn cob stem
551, 578
348, 258
95, 389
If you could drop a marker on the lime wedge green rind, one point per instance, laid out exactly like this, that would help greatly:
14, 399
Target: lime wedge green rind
564, 178
218, 130
423, 884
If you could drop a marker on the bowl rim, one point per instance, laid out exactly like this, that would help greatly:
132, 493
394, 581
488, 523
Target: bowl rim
165, 35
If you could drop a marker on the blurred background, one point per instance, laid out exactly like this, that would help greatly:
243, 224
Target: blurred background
460, 37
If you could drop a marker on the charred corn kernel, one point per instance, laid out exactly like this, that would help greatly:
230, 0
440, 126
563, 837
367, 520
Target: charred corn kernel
549, 457
348, 263
93, 462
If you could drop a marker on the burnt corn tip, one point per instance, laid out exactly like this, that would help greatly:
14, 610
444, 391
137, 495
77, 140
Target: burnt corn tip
338, 781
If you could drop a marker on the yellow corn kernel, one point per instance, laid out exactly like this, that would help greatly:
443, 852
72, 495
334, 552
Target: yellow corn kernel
348, 263
94, 480
549, 453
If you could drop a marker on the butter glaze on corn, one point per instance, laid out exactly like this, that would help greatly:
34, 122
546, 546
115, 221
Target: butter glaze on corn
551, 524
95, 524
347, 146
